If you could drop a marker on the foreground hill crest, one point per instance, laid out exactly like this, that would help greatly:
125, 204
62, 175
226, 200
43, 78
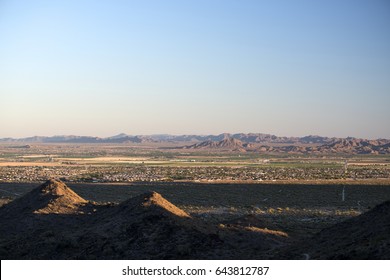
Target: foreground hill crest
58, 188
53, 222
52, 197
154, 199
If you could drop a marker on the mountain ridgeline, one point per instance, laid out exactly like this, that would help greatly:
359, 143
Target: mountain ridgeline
240, 142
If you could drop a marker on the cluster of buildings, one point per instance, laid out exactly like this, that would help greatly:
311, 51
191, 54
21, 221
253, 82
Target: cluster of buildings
147, 173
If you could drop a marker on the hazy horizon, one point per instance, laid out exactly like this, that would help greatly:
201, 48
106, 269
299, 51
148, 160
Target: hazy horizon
173, 134
288, 68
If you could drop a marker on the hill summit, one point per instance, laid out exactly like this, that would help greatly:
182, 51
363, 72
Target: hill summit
155, 202
52, 197
53, 222
228, 143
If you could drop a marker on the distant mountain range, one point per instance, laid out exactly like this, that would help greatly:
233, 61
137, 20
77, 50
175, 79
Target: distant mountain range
228, 143
240, 142
344, 146
124, 138
121, 138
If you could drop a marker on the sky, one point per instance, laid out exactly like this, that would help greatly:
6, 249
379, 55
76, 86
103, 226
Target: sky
289, 68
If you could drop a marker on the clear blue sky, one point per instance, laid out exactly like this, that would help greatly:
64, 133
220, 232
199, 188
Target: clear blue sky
289, 68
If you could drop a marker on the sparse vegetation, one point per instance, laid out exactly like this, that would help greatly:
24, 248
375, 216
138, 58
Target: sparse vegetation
245, 197
52, 221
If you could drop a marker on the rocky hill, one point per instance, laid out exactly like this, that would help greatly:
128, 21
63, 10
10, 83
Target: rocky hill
227, 144
335, 146
53, 222
51, 197
37, 208
357, 146
363, 237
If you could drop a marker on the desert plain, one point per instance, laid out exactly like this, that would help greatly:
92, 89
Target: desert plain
193, 200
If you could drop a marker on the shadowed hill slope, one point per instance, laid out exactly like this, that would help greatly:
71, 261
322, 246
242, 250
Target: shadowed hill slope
53, 222
363, 237
148, 227
52, 204
52, 197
